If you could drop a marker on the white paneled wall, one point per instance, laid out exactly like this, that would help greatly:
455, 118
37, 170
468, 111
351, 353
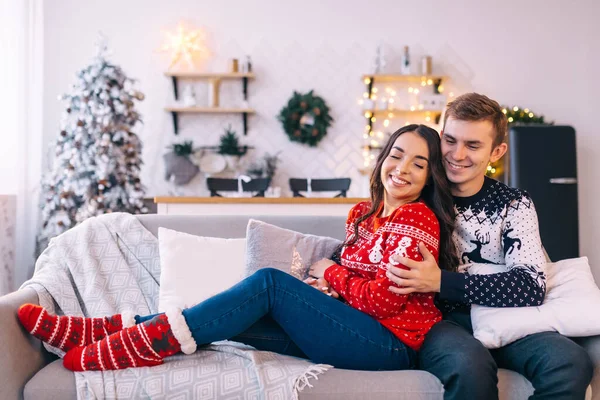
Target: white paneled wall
8, 209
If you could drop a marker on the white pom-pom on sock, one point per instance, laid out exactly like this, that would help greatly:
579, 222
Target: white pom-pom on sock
181, 331
127, 319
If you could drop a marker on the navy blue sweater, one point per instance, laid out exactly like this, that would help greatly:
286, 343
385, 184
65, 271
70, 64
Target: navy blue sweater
498, 225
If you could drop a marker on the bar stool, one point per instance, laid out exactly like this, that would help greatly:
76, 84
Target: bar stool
340, 185
259, 185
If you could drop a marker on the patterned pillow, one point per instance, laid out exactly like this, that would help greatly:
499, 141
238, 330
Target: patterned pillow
268, 246
571, 298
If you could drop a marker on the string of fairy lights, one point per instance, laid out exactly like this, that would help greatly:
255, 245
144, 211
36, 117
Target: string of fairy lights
515, 115
522, 115
385, 105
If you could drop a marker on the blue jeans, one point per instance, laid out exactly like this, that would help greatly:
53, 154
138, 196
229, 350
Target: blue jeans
556, 366
274, 311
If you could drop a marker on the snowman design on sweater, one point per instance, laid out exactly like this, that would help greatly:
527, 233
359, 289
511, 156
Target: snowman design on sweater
401, 250
376, 253
360, 276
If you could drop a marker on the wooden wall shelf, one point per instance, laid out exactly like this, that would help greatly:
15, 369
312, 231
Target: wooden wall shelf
210, 110
370, 80
215, 78
403, 78
218, 147
403, 111
210, 75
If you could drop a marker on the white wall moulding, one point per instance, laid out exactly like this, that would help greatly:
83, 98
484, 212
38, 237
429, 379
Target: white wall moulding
8, 211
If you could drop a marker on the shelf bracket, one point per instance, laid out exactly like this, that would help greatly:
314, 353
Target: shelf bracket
436, 86
175, 92
370, 86
245, 122
245, 87
175, 121
370, 92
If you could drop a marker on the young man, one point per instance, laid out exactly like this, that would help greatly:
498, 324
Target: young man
494, 224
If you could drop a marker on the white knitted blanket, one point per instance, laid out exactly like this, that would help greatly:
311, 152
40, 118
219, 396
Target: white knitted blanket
110, 264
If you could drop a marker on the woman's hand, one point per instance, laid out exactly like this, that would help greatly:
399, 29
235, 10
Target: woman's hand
317, 270
322, 285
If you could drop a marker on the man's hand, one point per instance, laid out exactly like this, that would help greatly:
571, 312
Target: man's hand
318, 269
322, 285
421, 277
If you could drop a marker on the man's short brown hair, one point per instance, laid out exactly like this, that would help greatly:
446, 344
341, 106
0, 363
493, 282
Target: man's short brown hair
477, 107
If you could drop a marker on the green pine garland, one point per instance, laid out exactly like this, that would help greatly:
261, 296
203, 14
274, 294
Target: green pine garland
518, 115
310, 107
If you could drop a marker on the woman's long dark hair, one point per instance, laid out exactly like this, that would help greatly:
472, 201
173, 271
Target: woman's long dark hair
436, 193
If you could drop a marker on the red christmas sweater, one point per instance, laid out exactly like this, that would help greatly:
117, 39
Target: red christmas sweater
361, 280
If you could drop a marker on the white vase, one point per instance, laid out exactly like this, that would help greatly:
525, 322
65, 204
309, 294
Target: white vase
233, 162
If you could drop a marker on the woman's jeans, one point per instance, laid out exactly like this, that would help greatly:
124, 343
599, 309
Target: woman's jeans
274, 311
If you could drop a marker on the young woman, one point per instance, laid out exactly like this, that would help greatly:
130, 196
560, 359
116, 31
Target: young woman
371, 329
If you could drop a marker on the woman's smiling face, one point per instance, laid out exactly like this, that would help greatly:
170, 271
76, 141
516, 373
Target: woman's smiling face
405, 170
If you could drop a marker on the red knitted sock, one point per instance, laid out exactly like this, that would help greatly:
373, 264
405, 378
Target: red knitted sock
143, 345
66, 332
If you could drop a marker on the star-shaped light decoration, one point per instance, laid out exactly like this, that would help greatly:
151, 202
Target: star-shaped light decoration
188, 45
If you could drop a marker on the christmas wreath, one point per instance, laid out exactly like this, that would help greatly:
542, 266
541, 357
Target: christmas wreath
306, 118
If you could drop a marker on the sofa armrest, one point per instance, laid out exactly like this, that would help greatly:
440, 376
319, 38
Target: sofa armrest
592, 346
22, 354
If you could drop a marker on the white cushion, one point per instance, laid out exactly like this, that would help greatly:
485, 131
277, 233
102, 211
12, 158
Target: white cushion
194, 268
571, 303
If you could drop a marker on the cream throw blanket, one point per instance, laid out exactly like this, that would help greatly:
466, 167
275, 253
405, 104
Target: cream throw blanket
110, 264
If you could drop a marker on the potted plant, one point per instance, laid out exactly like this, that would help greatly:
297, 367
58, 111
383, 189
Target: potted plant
230, 148
178, 167
265, 167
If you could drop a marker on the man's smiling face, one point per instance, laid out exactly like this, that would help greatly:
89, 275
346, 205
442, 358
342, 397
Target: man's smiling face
467, 149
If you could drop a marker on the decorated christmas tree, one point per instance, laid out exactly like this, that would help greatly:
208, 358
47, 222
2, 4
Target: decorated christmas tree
96, 164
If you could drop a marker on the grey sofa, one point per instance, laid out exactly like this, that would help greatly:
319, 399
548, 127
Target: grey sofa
28, 371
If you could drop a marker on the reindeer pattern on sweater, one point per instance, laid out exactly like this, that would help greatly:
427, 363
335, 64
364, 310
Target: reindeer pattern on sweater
498, 225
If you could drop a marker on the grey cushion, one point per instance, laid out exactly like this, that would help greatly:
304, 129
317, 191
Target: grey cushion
51, 382
269, 246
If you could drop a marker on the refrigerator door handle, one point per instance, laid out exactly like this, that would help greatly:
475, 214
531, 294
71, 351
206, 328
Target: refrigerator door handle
563, 181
